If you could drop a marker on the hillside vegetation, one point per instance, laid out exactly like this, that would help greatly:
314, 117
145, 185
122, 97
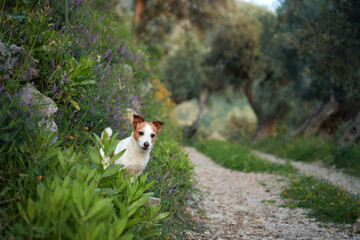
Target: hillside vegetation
53, 184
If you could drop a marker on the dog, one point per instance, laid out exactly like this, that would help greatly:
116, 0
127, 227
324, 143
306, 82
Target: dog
138, 145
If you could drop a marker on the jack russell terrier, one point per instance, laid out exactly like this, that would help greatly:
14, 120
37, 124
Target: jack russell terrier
138, 145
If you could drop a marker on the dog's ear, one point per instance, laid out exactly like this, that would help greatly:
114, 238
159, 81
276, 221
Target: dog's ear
137, 120
158, 125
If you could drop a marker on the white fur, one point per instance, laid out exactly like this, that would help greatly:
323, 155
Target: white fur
136, 156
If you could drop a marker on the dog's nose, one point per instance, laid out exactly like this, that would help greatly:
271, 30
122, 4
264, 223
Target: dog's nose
146, 144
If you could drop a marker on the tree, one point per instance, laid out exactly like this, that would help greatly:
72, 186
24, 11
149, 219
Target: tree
327, 35
250, 51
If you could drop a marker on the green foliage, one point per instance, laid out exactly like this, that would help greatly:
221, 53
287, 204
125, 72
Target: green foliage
328, 203
307, 149
239, 157
331, 55
312, 149
182, 71
348, 159
66, 195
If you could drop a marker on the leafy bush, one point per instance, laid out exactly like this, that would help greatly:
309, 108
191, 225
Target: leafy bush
239, 157
65, 194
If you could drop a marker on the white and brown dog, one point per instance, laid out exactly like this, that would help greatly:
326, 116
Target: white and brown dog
138, 145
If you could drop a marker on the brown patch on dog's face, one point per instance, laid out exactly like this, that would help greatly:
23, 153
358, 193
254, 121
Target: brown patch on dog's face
139, 130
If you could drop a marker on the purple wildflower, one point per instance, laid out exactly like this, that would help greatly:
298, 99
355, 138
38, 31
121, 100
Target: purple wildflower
100, 18
30, 101
107, 53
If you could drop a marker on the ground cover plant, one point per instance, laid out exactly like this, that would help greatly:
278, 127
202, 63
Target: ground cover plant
239, 157
53, 185
327, 202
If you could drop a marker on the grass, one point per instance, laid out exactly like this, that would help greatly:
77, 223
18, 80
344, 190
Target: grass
327, 202
312, 149
239, 157
306, 149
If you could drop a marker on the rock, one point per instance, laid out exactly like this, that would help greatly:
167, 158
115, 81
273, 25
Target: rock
153, 201
16, 59
356, 227
41, 106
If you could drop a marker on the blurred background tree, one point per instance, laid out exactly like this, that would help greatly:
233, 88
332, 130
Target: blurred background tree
297, 66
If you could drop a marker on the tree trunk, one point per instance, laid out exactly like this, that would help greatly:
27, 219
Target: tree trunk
320, 113
266, 127
250, 95
140, 6
352, 133
189, 131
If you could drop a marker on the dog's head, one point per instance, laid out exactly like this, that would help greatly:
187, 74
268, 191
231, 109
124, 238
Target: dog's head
145, 132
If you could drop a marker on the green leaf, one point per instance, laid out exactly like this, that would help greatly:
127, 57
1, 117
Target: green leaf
139, 203
80, 71
150, 233
87, 82
75, 104
95, 155
117, 156
61, 159
111, 170
23, 213
98, 140
127, 236
120, 227
18, 17
7, 48
108, 191
99, 206
161, 216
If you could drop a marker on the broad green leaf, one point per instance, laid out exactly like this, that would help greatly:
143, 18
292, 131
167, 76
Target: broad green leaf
117, 156
23, 213
80, 71
94, 155
120, 227
108, 191
127, 236
138, 203
161, 216
99, 206
111, 170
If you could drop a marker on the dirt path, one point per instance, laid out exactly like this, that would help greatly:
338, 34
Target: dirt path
246, 206
335, 176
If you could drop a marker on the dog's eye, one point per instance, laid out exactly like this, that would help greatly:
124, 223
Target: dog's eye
141, 133
152, 135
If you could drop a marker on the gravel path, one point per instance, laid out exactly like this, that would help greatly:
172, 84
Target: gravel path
246, 206
317, 169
